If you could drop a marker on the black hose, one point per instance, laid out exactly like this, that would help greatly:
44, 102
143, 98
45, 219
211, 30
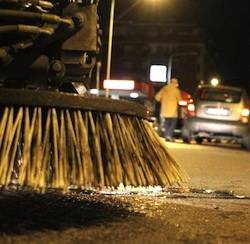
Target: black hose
28, 29
41, 3
50, 18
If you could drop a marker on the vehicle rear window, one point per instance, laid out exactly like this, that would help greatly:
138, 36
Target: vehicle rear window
220, 95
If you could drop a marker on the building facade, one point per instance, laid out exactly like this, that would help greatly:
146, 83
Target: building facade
180, 47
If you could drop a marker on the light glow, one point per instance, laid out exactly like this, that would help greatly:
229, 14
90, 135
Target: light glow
94, 91
245, 112
115, 96
119, 84
215, 82
244, 120
182, 103
158, 73
134, 95
191, 107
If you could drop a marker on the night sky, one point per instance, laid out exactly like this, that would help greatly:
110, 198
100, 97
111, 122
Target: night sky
225, 25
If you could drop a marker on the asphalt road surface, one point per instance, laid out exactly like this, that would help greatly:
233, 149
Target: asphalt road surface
215, 166
214, 207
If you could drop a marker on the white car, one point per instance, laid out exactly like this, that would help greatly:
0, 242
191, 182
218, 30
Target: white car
220, 112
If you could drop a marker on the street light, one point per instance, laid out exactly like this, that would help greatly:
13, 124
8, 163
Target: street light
124, 13
215, 81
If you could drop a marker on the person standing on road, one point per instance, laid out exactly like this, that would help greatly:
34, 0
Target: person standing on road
169, 97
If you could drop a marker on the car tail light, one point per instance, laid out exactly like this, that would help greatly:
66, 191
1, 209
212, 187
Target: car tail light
183, 103
245, 112
191, 109
245, 115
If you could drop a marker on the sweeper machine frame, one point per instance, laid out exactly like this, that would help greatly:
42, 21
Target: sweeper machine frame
50, 136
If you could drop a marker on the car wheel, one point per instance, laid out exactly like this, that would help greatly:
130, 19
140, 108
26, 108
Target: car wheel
199, 140
209, 140
246, 142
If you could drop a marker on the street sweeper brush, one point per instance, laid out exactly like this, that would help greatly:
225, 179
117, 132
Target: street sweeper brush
52, 137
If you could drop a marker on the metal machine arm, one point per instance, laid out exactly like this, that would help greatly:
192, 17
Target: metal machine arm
45, 44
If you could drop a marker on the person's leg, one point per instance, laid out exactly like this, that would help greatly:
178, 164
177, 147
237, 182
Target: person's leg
162, 127
172, 126
167, 126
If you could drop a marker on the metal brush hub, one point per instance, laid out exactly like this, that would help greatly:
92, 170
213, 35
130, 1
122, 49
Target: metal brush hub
33, 98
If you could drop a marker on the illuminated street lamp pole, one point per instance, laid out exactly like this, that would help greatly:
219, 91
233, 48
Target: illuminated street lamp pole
111, 31
110, 40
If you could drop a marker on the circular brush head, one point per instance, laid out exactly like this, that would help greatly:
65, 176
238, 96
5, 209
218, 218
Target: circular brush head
58, 140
